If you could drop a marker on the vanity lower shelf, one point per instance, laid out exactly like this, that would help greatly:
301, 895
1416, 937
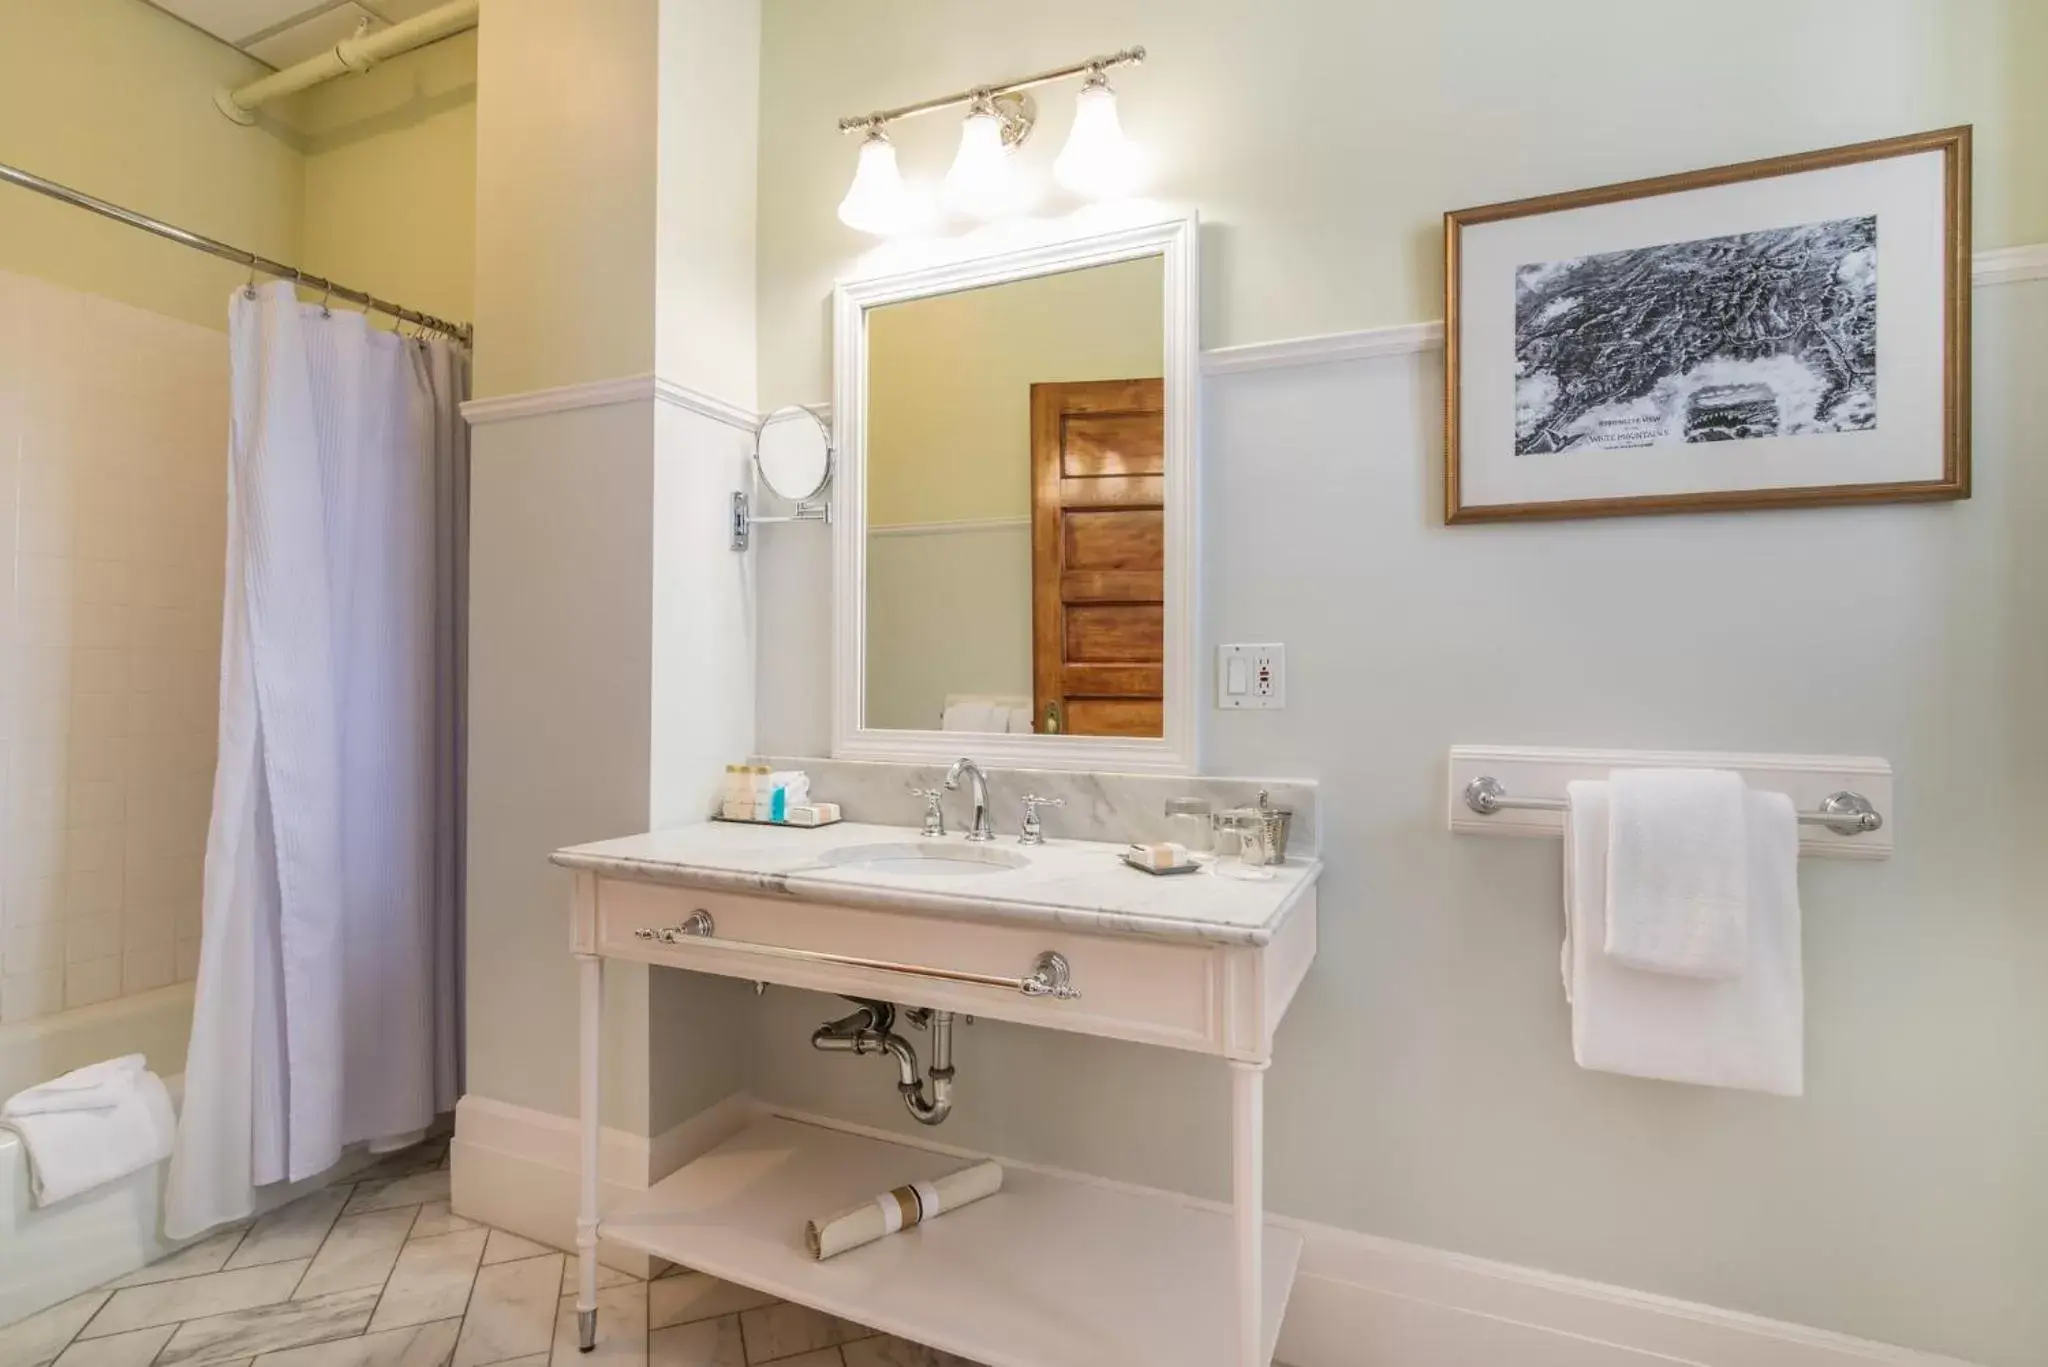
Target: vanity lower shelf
1049, 1272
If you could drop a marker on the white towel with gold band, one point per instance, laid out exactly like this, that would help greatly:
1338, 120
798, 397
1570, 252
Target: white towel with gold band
900, 1209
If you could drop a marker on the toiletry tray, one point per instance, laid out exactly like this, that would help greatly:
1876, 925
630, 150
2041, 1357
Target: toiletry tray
779, 825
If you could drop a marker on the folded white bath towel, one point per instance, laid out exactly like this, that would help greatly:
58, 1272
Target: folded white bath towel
95, 1087
1678, 871
981, 716
1741, 1032
74, 1151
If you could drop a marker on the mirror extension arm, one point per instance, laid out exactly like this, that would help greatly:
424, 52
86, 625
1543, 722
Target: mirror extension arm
793, 458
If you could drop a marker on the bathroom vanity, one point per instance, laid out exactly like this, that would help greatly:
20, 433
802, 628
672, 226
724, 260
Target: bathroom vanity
1055, 1270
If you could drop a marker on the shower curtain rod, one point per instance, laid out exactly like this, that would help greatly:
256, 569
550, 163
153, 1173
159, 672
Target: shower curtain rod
327, 288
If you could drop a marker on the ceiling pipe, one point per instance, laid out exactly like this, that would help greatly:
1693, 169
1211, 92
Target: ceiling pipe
358, 54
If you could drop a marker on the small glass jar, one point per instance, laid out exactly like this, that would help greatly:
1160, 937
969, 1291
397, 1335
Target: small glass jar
1191, 823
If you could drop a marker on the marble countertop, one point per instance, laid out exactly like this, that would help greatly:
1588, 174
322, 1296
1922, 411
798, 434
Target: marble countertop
1077, 885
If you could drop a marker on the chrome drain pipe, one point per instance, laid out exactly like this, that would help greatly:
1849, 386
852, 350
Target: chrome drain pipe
871, 1030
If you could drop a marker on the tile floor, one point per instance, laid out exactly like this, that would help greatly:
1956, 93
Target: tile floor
379, 1272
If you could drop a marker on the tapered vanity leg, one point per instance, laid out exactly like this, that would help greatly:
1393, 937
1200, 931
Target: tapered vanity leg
1248, 1197
590, 981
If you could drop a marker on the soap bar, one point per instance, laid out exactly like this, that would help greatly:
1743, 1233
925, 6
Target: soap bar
1163, 855
811, 814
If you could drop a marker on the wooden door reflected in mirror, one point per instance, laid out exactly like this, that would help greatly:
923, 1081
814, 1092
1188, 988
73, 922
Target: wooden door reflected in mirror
1098, 556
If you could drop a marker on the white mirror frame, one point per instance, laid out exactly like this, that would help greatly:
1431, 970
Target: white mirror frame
1172, 240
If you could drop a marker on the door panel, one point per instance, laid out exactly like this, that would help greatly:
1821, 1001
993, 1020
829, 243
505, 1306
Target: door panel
1098, 556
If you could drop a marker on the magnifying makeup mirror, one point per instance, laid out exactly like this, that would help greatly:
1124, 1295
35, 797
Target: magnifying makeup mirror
793, 457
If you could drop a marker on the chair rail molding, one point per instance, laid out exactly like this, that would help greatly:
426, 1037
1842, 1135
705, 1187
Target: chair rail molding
1997, 266
627, 389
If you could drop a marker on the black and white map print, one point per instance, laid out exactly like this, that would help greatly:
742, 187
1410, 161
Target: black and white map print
1764, 334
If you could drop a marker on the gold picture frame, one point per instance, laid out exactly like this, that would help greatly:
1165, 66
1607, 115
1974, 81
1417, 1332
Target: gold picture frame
1953, 479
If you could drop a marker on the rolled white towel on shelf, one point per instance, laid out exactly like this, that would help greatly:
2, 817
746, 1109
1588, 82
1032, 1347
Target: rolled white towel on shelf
900, 1209
1678, 871
73, 1151
95, 1087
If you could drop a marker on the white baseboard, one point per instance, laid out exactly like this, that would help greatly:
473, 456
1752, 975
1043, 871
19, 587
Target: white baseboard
1359, 1300
514, 1168
1362, 1301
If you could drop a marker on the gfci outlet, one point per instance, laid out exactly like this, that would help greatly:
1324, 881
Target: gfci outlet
1251, 676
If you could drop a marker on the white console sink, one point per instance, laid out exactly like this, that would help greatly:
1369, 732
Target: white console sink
927, 861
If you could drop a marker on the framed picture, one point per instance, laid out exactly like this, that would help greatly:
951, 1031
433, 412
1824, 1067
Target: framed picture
1780, 333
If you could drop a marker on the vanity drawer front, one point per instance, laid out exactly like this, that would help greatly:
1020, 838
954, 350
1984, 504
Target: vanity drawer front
1156, 992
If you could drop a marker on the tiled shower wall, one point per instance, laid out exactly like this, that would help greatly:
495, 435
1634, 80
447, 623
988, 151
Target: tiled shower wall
113, 439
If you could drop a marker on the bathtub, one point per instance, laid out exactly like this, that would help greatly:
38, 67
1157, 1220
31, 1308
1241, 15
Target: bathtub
51, 1254
47, 1255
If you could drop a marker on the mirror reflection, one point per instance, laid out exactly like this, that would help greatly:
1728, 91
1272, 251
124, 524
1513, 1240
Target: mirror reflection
1015, 489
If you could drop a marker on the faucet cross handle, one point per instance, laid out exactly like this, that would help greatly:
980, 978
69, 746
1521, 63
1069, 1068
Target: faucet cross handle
934, 811
1034, 832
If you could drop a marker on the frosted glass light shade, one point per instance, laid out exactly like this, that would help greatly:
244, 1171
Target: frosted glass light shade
878, 201
1098, 160
981, 183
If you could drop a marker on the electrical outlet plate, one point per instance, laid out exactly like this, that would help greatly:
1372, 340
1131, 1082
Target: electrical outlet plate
1251, 676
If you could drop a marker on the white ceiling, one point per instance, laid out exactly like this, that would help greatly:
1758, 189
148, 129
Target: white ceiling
281, 32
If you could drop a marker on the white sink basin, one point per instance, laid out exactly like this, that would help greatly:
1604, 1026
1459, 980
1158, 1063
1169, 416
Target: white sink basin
926, 861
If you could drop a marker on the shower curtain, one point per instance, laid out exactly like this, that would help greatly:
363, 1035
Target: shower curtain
328, 1000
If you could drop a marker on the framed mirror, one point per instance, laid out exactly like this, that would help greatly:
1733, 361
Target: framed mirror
1015, 538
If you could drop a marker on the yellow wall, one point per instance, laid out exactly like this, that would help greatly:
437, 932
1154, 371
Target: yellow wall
949, 383
567, 129
390, 177
115, 98
370, 180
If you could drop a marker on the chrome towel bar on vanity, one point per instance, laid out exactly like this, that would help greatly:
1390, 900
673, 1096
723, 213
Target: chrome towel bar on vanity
1844, 813
1051, 975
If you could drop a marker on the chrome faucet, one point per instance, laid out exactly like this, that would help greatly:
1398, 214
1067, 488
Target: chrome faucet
979, 829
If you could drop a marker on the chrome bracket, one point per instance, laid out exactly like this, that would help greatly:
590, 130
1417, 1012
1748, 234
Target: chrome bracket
1483, 795
744, 521
1850, 814
697, 926
1051, 976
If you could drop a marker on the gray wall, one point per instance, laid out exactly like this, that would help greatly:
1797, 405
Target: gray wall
1424, 1088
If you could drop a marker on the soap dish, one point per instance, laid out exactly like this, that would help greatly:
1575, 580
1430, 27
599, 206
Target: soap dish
1130, 863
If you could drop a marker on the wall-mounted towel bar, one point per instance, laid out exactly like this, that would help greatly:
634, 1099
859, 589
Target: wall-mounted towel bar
1844, 813
1844, 801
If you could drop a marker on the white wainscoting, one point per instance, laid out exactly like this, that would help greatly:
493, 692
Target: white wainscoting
949, 612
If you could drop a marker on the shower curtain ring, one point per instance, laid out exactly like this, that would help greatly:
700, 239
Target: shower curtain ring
327, 295
249, 290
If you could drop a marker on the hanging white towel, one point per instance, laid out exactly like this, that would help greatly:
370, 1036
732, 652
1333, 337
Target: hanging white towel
1746, 1032
74, 1151
95, 1087
1677, 871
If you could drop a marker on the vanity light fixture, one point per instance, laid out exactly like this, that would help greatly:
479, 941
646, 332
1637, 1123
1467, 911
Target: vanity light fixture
981, 183
1098, 161
878, 201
